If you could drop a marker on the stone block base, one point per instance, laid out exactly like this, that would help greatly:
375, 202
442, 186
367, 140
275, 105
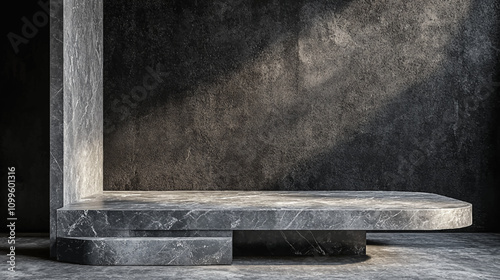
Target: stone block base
145, 250
299, 243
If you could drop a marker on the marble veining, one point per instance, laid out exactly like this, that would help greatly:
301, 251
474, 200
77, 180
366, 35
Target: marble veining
56, 116
83, 98
146, 251
76, 133
265, 200
103, 214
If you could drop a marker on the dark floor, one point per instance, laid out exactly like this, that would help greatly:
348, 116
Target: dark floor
389, 256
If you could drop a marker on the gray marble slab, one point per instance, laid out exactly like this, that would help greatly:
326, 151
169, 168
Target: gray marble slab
145, 250
238, 210
171, 233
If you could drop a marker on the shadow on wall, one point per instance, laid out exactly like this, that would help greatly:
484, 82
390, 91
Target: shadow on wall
265, 95
206, 72
436, 136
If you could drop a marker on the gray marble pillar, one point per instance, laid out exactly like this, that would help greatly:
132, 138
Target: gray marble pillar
76, 103
56, 117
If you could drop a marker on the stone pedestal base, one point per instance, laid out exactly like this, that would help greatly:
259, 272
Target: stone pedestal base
299, 243
205, 248
145, 250
203, 228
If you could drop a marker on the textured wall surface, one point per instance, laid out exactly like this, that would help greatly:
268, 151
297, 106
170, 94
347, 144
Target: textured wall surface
83, 109
304, 95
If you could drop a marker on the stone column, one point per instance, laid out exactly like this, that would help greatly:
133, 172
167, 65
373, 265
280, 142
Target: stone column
76, 106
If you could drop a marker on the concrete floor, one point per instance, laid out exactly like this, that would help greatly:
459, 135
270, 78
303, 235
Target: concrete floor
389, 256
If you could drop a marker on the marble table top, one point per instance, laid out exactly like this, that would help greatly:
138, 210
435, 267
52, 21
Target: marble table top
267, 200
263, 210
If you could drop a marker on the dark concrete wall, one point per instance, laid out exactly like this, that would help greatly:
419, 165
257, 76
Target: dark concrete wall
304, 95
